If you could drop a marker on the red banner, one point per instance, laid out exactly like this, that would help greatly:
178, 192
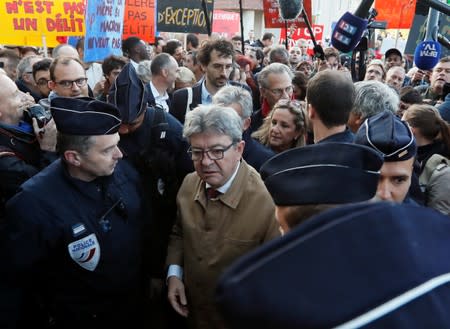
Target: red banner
139, 20
398, 14
225, 23
272, 17
302, 34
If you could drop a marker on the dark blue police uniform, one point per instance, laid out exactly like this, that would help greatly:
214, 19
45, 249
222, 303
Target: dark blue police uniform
373, 265
76, 245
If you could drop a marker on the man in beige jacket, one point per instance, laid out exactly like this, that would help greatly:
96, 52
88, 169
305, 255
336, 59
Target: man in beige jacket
224, 211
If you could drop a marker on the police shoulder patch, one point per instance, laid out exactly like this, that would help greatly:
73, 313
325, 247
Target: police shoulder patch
85, 252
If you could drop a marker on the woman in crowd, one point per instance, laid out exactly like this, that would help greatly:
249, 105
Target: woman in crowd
433, 140
285, 127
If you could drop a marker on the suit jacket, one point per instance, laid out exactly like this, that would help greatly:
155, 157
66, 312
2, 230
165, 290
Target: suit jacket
255, 154
179, 100
209, 235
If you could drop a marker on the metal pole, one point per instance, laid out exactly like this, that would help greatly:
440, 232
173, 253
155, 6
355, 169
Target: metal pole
241, 15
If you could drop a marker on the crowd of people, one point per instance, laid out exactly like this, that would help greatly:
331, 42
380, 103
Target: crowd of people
129, 186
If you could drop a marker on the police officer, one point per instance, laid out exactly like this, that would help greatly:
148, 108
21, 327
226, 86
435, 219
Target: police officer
73, 232
308, 180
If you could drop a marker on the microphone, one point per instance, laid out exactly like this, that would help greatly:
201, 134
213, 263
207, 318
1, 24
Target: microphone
290, 9
350, 28
428, 52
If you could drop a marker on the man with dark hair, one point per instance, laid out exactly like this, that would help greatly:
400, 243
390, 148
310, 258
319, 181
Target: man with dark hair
265, 42
111, 67
237, 43
9, 60
216, 60
330, 96
135, 49
440, 76
77, 244
174, 48
164, 73
192, 64
41, 75
192, 42
68, 78
158, 46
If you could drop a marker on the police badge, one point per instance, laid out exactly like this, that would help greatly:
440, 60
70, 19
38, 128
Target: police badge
85, 252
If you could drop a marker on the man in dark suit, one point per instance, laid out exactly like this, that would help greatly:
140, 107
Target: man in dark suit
216, 60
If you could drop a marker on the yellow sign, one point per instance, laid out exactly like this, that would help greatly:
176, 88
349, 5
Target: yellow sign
25, 22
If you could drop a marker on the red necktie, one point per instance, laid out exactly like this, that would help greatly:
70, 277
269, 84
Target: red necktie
212, 193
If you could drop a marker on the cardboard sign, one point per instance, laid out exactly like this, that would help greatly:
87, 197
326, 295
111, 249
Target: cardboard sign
183, 16
103, 29
302, 34
25, 21
139, 20
272, 18
226, 23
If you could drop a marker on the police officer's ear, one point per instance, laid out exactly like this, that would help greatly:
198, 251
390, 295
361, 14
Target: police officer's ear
312, 114
72, 158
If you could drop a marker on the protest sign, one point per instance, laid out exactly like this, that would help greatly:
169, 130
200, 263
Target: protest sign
103, 29
139, 20
225, 23
183, 16
27, 22
294, 35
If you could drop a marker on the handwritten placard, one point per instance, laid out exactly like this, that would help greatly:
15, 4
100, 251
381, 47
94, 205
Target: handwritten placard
49, 17
104, 26
139, 20
183, 16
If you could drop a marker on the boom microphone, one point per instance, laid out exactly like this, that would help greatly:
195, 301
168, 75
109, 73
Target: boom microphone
290, 9
350, 28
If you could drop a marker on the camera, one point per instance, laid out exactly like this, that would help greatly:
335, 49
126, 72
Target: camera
40, 113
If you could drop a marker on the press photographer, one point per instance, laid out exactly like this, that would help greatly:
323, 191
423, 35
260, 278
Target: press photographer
27, 139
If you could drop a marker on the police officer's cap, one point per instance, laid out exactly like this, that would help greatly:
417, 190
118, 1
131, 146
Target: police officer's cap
389, 135
129, 94
384, 265
328, 173
84, 116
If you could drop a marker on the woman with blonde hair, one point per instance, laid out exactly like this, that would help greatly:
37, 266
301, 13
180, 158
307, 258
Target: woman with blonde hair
285, 127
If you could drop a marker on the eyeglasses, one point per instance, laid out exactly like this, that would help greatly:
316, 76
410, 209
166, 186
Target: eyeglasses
81, 82
42, 82
279, 91
213, 154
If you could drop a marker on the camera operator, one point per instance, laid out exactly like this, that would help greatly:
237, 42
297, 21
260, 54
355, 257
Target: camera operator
25, 147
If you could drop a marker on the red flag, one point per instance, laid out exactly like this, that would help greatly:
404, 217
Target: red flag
398, 14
